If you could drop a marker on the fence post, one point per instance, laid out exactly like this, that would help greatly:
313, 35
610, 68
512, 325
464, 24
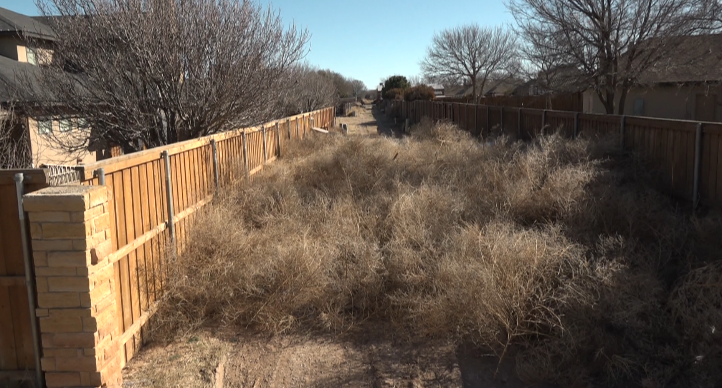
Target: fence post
622, 130
169, 197
245, 154
488, 120
697, 163
544, 121
576, 125
215, 163
288, 126
265, 152
502, 120
100, 174
519, 122
29, 279
298, 128
278, 139
476, 119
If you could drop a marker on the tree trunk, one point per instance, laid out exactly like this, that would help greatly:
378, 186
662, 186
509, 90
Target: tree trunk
622, 99
473, 90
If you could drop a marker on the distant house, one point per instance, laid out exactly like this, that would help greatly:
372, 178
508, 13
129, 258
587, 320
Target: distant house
19, 59
492, 88
687, 85
438, 90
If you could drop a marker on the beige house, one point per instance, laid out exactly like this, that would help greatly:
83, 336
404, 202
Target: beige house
685, 86
18, 61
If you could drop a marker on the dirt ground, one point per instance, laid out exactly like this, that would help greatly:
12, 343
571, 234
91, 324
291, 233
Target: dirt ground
361, 359
369, 120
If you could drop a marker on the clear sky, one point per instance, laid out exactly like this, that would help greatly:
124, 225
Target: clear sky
372, 39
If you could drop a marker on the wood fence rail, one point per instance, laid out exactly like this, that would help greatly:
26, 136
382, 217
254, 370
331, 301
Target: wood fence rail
153, 197
687, 155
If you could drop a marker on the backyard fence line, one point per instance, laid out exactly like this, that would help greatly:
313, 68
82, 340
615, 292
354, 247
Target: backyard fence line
152, 199
687, 155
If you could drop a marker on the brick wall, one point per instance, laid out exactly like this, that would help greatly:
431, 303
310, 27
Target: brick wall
70, 233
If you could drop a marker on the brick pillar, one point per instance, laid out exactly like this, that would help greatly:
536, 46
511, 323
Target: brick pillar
70, 229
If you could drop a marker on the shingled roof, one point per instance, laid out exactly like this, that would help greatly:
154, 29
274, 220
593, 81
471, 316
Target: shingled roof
696, 58
13, 23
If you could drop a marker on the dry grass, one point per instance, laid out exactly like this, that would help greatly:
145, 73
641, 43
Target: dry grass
556, 247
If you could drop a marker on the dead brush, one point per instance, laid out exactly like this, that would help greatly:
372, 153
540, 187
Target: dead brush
542, 246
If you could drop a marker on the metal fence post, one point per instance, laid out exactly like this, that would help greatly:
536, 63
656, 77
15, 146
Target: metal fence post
544, 122
622, 130
697, 163
288, 126
501, 124
576, 125
29, 279
245, 154
215, 163
278, 139
518, 118
169, 197
100, 174
265, 150
488, 119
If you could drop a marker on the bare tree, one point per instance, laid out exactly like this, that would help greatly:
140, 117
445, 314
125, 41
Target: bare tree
311, 90
358, 87
152, 72
606, 44
471, 53
14, 142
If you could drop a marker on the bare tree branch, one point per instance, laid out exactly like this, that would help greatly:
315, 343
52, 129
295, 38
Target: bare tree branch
14, 141
152, 72
311, 90
606, 44
472, 53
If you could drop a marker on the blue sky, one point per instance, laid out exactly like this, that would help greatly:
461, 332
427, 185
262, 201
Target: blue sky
369, 40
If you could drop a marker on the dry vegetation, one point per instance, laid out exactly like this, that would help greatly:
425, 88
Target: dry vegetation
556, 249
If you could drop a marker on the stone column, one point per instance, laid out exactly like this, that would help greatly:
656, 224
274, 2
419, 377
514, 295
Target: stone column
70, 230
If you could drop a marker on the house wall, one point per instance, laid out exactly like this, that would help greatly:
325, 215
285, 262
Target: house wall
671, 102
15, 48
45, 151
9, 47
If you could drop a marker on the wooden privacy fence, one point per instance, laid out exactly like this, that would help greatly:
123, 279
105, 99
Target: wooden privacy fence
155, 194
564, 102
152, 197
687, 155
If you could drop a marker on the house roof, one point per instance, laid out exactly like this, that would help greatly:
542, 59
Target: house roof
457, 90
11, 73
492, 87
696, 58
501, 87
13, 23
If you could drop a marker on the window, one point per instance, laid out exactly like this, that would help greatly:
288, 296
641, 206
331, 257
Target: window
32, 56
45, 126
65, 125
639, 107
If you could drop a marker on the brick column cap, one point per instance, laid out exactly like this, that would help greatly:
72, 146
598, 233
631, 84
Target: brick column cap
65, 198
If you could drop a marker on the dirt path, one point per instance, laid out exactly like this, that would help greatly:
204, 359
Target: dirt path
362, 359
369, 120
